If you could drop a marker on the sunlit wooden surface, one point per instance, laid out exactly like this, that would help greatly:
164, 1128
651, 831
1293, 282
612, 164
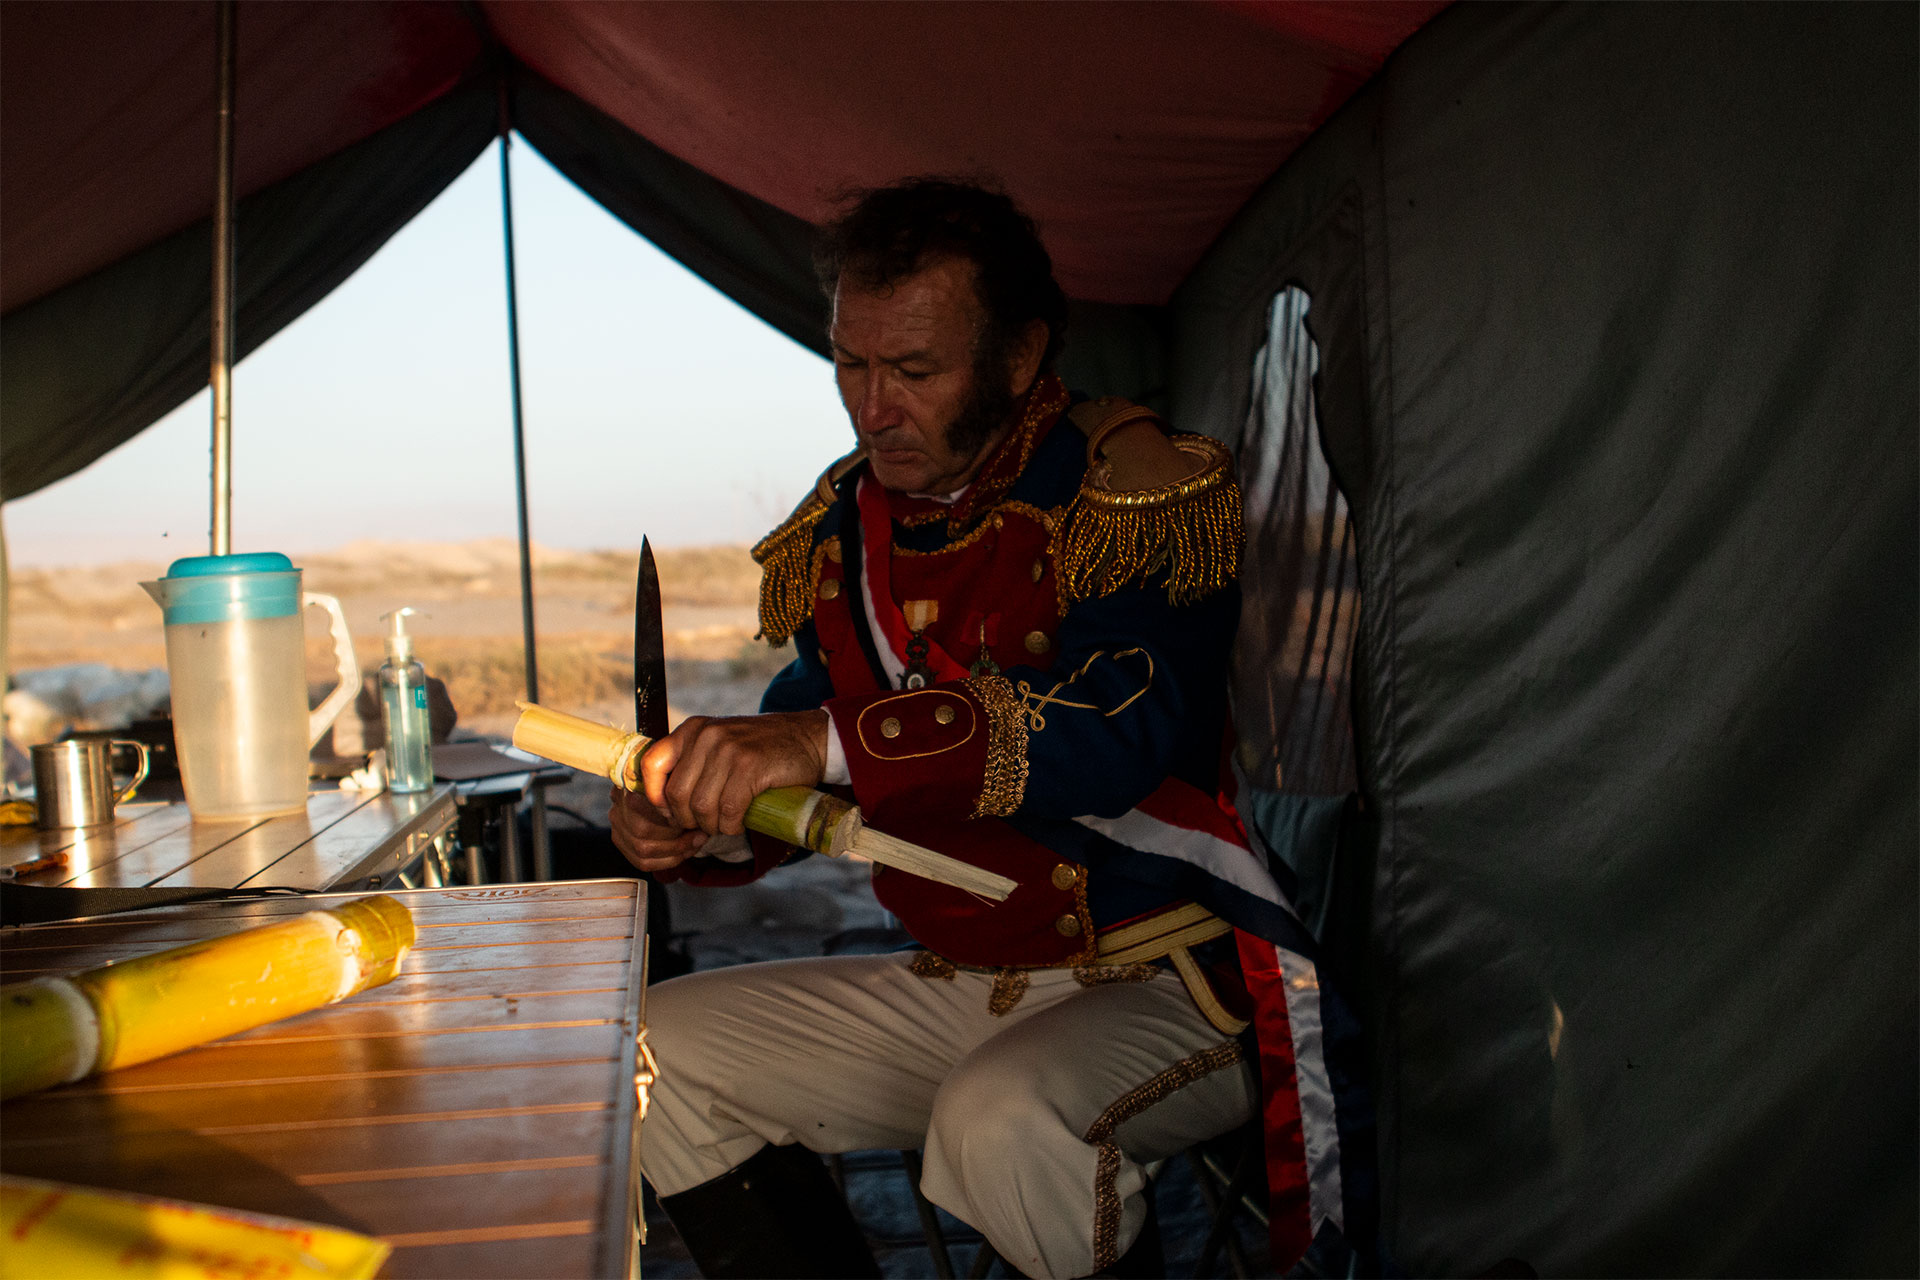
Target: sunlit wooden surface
344, 839
475, 1112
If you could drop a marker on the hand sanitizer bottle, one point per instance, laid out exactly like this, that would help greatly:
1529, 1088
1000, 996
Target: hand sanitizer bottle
403, 709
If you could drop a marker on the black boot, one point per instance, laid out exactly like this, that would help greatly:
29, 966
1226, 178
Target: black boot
778, 1215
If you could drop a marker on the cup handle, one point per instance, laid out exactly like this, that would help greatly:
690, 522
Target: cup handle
140, 775
345, 666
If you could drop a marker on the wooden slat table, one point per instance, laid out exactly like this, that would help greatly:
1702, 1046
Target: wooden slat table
344, 839
476, 1112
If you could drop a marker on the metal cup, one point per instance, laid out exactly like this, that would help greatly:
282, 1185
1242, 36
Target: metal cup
74, 781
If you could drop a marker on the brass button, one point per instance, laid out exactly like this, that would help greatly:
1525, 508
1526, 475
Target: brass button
1038, 642
943, 714
833, 550
1039, 570
1067, 926
829, 588
1065, 876
890, 728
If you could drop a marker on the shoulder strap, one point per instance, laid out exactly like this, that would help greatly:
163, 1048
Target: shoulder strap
1130, 461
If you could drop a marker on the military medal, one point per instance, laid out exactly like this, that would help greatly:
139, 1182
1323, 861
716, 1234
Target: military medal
920, 614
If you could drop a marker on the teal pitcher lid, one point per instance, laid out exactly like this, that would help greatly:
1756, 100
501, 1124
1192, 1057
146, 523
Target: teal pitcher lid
208, 566
203, 589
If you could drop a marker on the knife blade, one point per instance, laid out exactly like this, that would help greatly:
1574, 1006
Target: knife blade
649, 650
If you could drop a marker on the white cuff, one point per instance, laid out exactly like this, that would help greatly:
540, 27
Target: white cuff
727, 848
835, 774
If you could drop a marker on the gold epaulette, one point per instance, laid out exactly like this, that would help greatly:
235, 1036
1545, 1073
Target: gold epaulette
1191, 528
789, 565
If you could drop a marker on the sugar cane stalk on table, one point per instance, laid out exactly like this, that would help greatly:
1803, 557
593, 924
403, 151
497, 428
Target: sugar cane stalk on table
799, 815
59, 1029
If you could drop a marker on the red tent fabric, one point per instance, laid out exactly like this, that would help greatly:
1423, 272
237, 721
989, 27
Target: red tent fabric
1132, 131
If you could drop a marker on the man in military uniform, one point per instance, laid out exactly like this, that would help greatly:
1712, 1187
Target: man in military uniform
1012, 619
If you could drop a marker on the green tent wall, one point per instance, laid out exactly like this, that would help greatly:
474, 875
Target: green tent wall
1617, 314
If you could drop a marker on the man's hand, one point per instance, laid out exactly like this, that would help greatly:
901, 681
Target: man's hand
699, 779
646, 837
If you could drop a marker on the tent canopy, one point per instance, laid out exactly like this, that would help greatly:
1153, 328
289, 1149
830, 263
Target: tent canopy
1613, 311
722, 132
1133, 133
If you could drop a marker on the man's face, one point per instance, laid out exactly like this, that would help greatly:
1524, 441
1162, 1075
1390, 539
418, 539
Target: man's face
904, 359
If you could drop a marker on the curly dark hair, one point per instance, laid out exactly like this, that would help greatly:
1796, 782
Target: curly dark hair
887, 233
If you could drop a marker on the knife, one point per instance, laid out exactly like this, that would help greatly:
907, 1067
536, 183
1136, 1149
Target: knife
649, 650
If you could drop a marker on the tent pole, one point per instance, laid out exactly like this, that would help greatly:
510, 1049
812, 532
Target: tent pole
221, 376
542, 854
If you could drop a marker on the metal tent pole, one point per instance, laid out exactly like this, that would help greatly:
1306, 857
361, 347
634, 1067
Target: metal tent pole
542, 854
221, 378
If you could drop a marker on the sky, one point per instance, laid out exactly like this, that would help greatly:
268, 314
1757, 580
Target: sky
653, 404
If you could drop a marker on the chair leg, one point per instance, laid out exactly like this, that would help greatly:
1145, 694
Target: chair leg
837, 1169
929, 1218
1222, 1201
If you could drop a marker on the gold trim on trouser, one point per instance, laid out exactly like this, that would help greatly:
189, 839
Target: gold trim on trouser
1106, 1200
1169, 935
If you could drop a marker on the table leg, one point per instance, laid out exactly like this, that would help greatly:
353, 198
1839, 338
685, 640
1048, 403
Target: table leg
542, 851
475, 873
509, 846
442, 856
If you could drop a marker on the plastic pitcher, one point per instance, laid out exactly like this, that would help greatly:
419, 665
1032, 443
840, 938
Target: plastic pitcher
236, 660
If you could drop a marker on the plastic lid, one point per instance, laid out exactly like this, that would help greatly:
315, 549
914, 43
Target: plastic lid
203, 589
209, 566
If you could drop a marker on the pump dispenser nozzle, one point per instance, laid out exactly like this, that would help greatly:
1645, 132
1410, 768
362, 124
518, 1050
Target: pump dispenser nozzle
399, 643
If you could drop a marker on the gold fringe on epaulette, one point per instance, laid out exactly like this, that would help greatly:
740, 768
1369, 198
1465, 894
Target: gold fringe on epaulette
790, 563
1191, 528
788, 572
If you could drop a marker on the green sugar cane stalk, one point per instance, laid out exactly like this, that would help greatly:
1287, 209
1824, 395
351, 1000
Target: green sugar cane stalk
811, 819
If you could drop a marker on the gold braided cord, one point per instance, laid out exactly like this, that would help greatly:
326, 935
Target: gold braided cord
1004, 785
1048, 519
1193, 528
790, 563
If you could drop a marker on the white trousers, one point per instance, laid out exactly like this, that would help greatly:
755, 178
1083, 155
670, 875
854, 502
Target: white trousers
1037, 1122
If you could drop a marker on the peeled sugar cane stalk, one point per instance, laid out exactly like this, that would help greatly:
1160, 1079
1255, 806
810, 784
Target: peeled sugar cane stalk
57, 1030
798, 815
